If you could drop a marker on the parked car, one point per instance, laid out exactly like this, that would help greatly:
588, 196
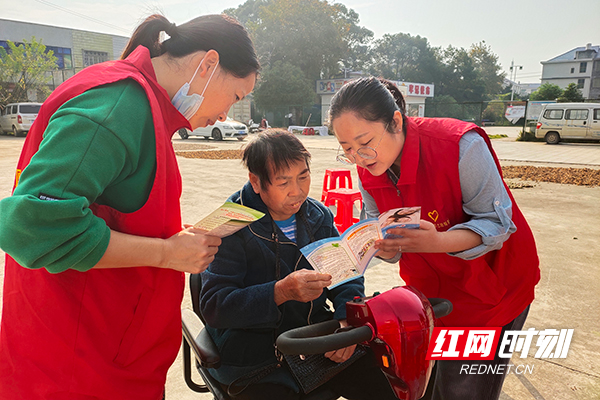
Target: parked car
218, 131
569, 121
16, 118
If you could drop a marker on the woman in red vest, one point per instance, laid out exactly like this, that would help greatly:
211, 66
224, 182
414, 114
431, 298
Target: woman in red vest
473, 247
93, 232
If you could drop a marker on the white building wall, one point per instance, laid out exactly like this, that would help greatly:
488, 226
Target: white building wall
119, 44
560, 74
17, 31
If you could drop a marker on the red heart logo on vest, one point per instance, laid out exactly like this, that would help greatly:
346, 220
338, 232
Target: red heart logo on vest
433, 215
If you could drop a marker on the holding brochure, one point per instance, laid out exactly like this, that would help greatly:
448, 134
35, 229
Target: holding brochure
228, 219
347, 257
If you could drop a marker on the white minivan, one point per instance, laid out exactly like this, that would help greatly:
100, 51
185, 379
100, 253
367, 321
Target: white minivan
569, 121
16, 118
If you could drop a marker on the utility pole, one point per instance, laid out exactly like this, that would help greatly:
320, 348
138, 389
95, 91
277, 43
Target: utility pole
513, 67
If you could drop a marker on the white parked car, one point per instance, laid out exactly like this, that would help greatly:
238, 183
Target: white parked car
16, 118
219, 131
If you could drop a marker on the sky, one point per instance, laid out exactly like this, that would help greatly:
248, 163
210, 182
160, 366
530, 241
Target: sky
525, 32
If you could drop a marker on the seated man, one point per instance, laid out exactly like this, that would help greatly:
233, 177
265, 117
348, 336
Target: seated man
260, 285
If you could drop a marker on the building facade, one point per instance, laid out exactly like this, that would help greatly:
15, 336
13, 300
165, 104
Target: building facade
74, 49
414, 95
580, 65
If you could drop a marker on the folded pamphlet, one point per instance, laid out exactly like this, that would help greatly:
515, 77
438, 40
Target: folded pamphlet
228, 219
346, 257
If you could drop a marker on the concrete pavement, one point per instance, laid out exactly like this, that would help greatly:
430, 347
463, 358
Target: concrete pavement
564, 219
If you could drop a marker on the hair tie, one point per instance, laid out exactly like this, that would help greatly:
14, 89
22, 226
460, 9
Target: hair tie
172, 30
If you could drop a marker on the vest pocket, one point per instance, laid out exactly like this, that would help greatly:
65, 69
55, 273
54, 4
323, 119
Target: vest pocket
482, 283
131, 334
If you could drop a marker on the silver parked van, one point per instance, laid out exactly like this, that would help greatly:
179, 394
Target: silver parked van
16, 118
569, 121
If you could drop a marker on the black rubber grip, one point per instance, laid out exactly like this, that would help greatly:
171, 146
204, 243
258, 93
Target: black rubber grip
441, 307
320, 338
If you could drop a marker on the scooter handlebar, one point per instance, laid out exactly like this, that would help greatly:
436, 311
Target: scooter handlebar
321, 338
441, 307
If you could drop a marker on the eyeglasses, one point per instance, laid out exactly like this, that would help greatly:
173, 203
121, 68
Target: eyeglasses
365, 152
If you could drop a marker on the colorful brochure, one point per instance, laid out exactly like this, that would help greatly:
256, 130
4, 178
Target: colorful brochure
347, 257
228, 219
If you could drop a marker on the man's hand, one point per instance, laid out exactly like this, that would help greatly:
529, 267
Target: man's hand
341, 355
302, 285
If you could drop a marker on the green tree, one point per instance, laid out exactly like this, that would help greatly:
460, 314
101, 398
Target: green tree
283, 84
23, 68
571, 94
547, 91
248, 12
488, 68
357, 38
494, 111
312, 34
404, 57
460, 77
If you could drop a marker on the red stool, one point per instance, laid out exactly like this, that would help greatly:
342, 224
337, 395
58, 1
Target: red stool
335, 178
344, 199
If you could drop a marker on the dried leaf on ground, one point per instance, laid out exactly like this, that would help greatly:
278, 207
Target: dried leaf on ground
569, 176
212, 154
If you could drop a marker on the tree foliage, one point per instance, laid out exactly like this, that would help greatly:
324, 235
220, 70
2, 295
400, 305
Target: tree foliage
323, 39
460, 77
571, 94
23, 68
465, 75
488, 68
284, 83
547, 91
404, 57
314, 35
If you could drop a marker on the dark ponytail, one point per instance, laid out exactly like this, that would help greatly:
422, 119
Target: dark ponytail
372, 99
221, 33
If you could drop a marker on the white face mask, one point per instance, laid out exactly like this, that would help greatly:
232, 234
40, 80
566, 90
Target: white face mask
186, 104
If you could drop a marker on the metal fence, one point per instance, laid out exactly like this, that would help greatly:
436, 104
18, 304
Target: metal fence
482, 113
300, 115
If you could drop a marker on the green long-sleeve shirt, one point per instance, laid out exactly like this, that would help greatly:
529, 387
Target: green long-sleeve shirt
99, 147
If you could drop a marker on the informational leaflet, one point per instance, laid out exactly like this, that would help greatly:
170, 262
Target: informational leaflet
347, 257
228, 219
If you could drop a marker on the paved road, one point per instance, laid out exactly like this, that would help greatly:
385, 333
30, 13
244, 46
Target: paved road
564, 219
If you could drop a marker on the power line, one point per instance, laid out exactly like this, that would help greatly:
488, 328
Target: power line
83, 16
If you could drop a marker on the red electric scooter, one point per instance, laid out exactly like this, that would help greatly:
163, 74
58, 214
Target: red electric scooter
396, 324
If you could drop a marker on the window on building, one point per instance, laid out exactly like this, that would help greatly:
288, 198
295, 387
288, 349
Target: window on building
582, 67
62, 54
580, 83
577, 114
572, 70
64, 60
93, 57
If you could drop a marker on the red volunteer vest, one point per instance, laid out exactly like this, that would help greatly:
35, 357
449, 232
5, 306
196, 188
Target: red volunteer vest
488, 291
100, 334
